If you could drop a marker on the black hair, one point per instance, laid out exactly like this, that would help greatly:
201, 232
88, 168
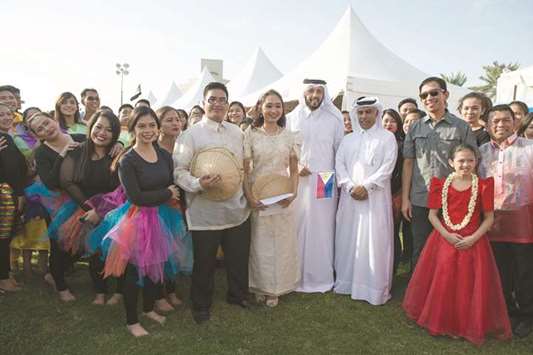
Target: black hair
123, 106
26, 112
460, 147
344, 111
407, 100
142, 101
85, 91
215, 86
434, 79
399, 134
501, 108
522, 105
260, 120
135, 116
198, 107
15, 91
59, 117
87, 149
525, 123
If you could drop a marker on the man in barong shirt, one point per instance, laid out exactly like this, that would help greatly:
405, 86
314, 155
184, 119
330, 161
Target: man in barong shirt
321, 129
364, 243
509, 160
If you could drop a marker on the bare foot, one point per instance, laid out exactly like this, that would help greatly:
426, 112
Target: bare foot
66, 296
155, 317
7, 285
163, 305
99, 299
137, 330
115, 299
271, 301
260, 298
49, 279
174, 300
14, 282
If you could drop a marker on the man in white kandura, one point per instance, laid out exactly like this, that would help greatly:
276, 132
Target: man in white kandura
364, 244
321, 129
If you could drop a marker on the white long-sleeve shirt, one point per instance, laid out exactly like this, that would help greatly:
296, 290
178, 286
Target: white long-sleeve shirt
201, 213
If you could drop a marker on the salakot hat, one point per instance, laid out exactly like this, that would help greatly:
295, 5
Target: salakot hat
271, 185
218, 161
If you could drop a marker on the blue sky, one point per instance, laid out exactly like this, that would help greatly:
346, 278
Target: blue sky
56, 46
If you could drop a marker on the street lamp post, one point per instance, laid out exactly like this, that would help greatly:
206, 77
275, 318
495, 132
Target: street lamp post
122, 69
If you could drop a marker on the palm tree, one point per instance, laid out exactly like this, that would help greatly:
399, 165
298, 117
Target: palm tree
458, 78
490, 79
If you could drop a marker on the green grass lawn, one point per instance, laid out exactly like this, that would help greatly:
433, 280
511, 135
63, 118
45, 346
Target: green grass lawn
34, 321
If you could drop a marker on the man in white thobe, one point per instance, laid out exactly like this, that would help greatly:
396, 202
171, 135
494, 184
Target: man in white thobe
364, 243
321, 129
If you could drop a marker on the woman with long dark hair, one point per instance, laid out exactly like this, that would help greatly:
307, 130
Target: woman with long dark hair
86, 176
271, 152
144, 244
67, 113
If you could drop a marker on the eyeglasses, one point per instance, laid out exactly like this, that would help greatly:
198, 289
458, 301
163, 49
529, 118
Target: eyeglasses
93, 98
219, 100
431, 93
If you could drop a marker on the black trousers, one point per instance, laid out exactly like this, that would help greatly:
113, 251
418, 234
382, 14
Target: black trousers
5, 258
60, 260
515, 263
130, 292
235, 244
421, 228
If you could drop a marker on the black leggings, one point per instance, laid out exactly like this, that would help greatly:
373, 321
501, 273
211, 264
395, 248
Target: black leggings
60, 260
5, 257
131, 292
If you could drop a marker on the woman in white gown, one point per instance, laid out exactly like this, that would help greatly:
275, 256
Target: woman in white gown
270, 149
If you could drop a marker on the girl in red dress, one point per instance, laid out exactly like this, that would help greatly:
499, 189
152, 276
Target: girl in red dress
455, 289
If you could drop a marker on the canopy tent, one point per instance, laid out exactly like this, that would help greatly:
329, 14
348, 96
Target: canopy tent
355, 63
173, 94
151, 97
516, 85
194, 95
256, 74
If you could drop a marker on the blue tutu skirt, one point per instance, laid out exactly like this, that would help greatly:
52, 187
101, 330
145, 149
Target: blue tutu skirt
153, 239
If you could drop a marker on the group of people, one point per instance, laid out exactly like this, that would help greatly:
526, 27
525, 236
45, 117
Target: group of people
359, 191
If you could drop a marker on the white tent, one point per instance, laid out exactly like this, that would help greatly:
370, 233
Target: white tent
255, 75
173, 94
516, 85
355, 63
151, 97
194, 95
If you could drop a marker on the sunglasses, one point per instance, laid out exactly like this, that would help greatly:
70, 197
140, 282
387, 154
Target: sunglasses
431, 93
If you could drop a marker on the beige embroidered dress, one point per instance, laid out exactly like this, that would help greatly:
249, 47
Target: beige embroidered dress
274, 267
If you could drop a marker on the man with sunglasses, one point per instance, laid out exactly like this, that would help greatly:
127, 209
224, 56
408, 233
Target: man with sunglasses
426, 151
214, 223
91, 101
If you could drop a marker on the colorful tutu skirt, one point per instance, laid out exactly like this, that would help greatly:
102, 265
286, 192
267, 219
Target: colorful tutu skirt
153, 239
458, 292
71, 231
39, 196
40, 204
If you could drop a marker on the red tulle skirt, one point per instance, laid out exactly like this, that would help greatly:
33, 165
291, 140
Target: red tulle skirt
458, 292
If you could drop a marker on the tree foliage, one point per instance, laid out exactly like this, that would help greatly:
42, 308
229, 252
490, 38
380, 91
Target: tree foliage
458, 78
490, 79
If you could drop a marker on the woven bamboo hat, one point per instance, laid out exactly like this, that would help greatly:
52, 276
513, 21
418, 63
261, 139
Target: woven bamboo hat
271, 185
218, 161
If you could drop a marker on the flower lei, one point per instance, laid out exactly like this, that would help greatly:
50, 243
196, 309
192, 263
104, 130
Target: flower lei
471, 203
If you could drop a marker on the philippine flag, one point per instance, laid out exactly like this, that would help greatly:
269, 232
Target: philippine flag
325, 182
